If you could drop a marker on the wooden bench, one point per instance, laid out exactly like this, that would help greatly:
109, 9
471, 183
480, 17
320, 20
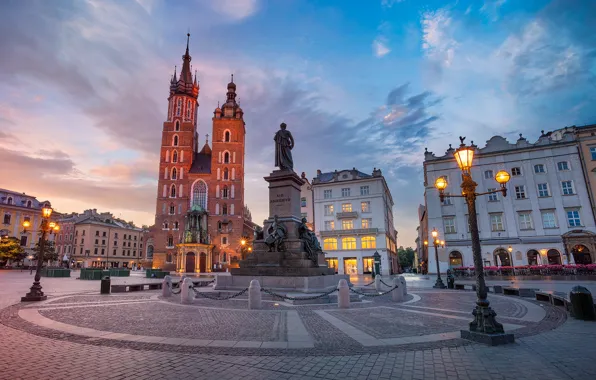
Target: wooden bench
521, 292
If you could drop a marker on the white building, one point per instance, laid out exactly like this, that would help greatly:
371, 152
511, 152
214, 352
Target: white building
545, 217
307, 209
353, 214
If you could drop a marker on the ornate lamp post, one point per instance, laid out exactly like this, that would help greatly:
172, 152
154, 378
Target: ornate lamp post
510, 250
35, 293
437, 243
484, 328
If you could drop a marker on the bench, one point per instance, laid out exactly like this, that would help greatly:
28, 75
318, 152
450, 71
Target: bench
554, 298
465, 286
122, 288
521, 292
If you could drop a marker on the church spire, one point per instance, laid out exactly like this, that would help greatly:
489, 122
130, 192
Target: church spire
185, 74
185, 83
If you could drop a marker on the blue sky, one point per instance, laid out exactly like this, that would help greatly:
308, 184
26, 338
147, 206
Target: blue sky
370, 83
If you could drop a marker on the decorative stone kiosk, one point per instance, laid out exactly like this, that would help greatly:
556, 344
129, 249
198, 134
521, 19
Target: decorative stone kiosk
287, 256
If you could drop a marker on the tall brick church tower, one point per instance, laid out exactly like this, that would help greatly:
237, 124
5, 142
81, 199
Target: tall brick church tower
199, 219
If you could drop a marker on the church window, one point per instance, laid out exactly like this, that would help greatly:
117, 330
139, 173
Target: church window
226, 175
224, 209
179, 107
175, 142
175, 156
170, 241
224, 241
174, 173
172, 209
173, 191
224, 192
199, 194
227, 136
226, 157
177, 127
165, 173
188, 109
176, 225
165, 191
166, 225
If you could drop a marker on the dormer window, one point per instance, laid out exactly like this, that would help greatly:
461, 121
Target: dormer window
29, 204
9, 200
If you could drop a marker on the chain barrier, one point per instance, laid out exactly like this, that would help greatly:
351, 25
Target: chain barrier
206, 295
298, 298
370, 283
374, 295
383, 282
175, 288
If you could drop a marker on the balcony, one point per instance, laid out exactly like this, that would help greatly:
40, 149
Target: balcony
347, 215
358, 231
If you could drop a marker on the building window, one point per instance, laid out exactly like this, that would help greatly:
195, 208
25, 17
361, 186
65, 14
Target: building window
174, 173
224, 240
224, 209
488, 174
177, 128
449, 224
347, 225
172, 209
226, 174
520, 192
103, 242
573, 218
95, 251
364, 190
543, 190
567, 187
563, 165
539, 169
346, 207
303, 202
447, 200
516, 172
226, 157
227, 136
173, 191
24, 241
329, 225
199, 194
366, 223
328, 210
96, 241
6, 218
496, 222
225, 192
548, 219
29, 204
330, 244
525, 221
9, 200
365, 206
175, 143
494, 197
96, 233
345, 192
593, 153
348, 243
103, 251
175, 156
369, 242
170, 241
327, 194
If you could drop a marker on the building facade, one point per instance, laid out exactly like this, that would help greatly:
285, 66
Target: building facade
16, 208
421, 254
586, 139
545, 218
353, 214
199, 219
307, 209
93, 239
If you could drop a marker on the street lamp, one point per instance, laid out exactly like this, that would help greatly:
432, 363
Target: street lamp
436, 242
35, 293
484, 328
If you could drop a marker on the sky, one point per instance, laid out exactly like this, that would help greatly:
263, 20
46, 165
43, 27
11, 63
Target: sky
360, 83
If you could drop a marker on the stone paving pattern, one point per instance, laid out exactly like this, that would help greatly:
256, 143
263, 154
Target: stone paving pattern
556, 348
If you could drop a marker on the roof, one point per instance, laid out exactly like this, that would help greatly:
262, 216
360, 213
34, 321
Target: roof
201, 164
331, 176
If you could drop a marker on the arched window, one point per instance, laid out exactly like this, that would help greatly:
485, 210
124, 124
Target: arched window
226, 174
9, 201
455, 259
177, 128
149, 251
175, 142
348, 243
554, 257
226, 157
369, 242
175, 156
173, 191
224, 209
166, 225
224, 192
170, 240
174, 173
533, 257
580, 254
199, 194
179, 107
29, 204
330, 244
227, 136
188, 109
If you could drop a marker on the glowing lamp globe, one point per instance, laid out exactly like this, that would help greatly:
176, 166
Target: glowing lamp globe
434, 233
441, 183
243, 242
26, 224
46, 211
56, 228
502, 177
464, 157
510, 249
52, 225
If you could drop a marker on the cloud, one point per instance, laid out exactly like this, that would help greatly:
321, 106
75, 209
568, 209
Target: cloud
380, 48
437, 43
235, 9
390, 3
491, 8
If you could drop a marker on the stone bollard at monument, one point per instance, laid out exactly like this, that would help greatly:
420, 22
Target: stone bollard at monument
378, 287
254, 295
397, 295
403, 285
343, 295
166, 286
186, 292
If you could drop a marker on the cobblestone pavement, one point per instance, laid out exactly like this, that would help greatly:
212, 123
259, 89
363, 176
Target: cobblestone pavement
554, 348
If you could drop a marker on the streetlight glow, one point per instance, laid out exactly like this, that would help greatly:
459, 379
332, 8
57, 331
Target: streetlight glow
510, 249
441, 183
52, 225
243, 242
434, 233
464, 156
46, 211
502, 177
26, 224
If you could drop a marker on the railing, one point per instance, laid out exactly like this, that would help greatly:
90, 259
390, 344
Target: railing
529, 270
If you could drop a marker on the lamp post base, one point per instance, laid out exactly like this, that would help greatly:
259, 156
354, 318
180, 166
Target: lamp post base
439, 284
36, 294
488, 339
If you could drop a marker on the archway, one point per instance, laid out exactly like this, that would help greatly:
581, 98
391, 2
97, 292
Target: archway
455, 259
581, 254
554, 257
533, 257
203, 262
190, 262
502, 257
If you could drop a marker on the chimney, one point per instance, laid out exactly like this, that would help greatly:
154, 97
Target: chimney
319, 172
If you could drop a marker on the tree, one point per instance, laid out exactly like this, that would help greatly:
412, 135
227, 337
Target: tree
406, 257
50, 253
10, 249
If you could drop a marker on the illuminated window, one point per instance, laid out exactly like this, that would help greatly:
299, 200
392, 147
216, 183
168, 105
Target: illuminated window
369, 242
346, 207
330, 244
347, 225
348, 243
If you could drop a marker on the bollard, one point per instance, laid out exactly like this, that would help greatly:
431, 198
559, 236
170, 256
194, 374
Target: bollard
166, 286
186, 292
582, 304
343, 295
254, 295
378, 287
397, 295
403, 285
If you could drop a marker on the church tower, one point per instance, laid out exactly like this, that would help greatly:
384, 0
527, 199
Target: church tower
178, 144
226, 201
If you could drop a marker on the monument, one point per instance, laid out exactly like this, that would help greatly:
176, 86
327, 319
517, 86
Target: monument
286, 255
